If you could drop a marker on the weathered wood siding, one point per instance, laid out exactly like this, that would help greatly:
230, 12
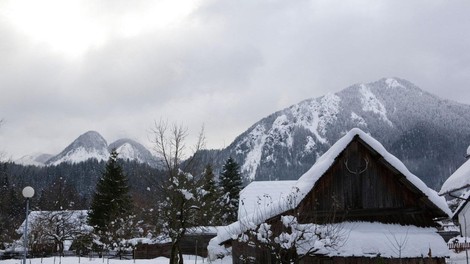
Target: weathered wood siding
361, 185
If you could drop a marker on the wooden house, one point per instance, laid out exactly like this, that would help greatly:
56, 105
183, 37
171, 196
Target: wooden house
357, 204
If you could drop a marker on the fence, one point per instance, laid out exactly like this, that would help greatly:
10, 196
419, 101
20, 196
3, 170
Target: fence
458, 247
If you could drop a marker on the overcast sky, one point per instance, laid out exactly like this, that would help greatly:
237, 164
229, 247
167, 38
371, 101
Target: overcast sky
116, 66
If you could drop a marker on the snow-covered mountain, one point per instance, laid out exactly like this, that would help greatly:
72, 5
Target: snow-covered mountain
87, 146
129, 149
35, 159
423, 130
92, 145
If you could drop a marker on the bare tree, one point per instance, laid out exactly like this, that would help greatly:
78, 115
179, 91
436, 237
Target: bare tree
179, 190
55, 227
398, 243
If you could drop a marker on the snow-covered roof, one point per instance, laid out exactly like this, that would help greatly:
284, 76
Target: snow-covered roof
72, 216
464, 201
259, 195
460, 179
308, 180
387, 240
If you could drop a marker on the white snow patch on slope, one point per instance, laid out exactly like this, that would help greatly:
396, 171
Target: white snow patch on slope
80, 154
329, 111
370, 103
392, 83
307, 116
358, 120
312, 115
128, 152
282, 127
315, 116
310, 144
255, 141
30, 160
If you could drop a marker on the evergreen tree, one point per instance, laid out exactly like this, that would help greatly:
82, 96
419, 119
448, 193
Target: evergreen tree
230, 186
210, 212
111, 203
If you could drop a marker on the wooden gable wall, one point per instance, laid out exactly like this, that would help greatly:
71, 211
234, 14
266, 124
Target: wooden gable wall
362, 186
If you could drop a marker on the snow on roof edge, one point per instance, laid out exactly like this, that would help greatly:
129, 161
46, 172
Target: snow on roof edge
307, 181
464, 197
457, 180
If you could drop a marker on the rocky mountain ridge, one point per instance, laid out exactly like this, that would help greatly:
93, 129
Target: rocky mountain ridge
427, 133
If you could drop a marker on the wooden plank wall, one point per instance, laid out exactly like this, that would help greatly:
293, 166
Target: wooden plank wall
360, 186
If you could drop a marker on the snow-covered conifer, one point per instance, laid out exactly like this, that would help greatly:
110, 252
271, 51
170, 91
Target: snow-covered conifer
230, 187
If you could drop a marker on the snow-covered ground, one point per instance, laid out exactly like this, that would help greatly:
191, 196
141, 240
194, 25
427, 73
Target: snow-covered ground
455, 258
75, 260
459, 258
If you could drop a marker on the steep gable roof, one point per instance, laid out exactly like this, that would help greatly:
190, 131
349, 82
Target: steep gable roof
307, 181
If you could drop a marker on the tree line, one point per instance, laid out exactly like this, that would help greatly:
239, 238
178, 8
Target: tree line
167, 203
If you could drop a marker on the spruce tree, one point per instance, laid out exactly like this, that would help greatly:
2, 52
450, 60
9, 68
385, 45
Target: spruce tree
210, 211
111, 202
230, 186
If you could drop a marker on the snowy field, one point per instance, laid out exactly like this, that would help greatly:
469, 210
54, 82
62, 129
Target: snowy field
454, 259
75, 260
458, 258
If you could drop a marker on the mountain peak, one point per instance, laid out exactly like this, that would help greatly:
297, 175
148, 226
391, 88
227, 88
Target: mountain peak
129, 149
88, 145
91, 145
90, 139
393, 83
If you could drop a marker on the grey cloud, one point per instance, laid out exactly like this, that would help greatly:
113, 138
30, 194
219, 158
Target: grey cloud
227, 65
